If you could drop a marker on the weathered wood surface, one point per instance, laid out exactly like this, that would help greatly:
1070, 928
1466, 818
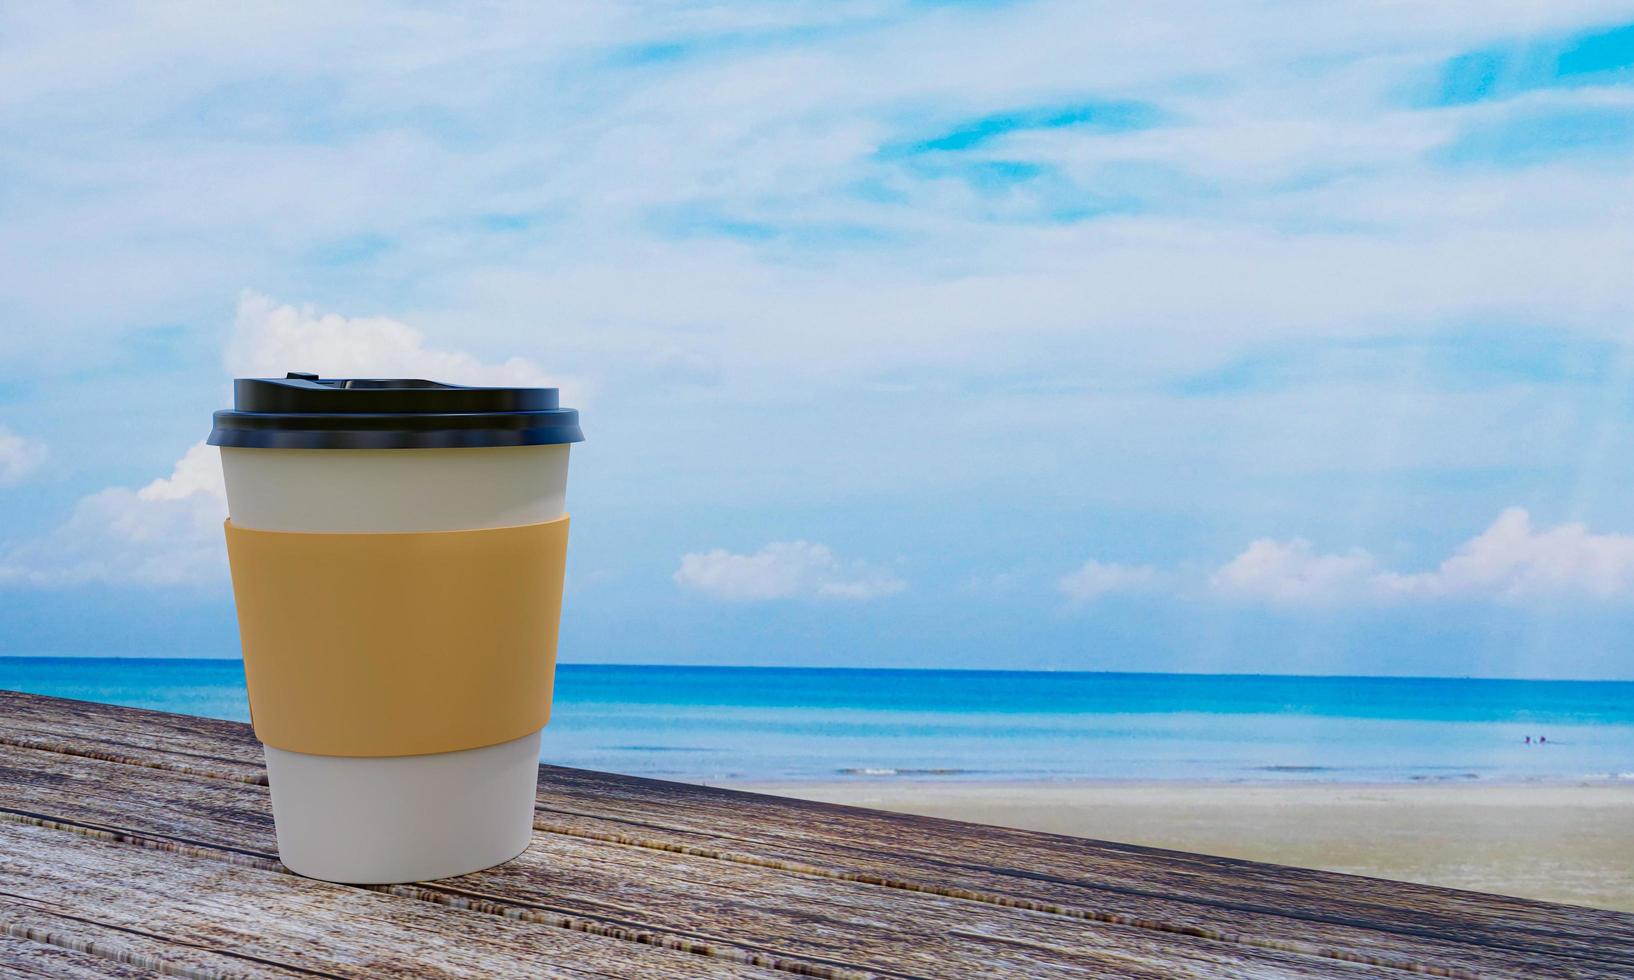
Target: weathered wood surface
135, 843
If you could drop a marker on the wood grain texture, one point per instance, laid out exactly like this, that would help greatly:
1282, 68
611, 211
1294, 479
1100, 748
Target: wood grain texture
733, 881
816, 924
26, 958
50, 941
181, 743
265, 918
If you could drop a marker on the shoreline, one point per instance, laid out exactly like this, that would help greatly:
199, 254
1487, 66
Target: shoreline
837, 781
1562, 840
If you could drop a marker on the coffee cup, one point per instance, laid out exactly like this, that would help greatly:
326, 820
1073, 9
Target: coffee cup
397, 550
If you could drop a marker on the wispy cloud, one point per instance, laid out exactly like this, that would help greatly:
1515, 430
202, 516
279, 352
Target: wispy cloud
746, 135
1588, 133
1094, 580
19, 457
783, 570
1488, 356
1526, 64
1097, 117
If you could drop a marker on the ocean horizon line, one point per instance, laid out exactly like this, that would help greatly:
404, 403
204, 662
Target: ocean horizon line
994, 671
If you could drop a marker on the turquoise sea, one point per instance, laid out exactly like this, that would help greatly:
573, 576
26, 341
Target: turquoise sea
749, 723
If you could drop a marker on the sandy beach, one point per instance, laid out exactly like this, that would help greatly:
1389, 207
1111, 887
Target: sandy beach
1562, 842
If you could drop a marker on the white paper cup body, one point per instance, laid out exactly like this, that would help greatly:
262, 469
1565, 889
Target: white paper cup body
382, 820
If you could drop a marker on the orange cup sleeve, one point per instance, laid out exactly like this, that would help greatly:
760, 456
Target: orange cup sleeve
398, 644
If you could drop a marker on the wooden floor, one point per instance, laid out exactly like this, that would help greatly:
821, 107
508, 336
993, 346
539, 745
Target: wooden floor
134, 843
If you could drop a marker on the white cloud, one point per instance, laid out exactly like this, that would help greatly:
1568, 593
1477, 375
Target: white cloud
165, 533
1095, 579
1293, 572
270, 339
19, 457
783, 570
196, 475
1511, 561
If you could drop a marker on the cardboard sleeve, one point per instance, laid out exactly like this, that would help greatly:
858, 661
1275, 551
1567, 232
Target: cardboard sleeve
398, 644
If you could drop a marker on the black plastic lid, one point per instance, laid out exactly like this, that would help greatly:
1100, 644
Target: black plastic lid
303, 411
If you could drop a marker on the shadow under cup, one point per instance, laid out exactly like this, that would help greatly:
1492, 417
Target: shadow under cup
397, 551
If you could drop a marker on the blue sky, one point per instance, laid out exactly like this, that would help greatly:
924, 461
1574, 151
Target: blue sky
1224, 337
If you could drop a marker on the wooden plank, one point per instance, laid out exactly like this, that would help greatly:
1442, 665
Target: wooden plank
261, 918
814, 924
27, 958
181, 743
1405, 926
63, 944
